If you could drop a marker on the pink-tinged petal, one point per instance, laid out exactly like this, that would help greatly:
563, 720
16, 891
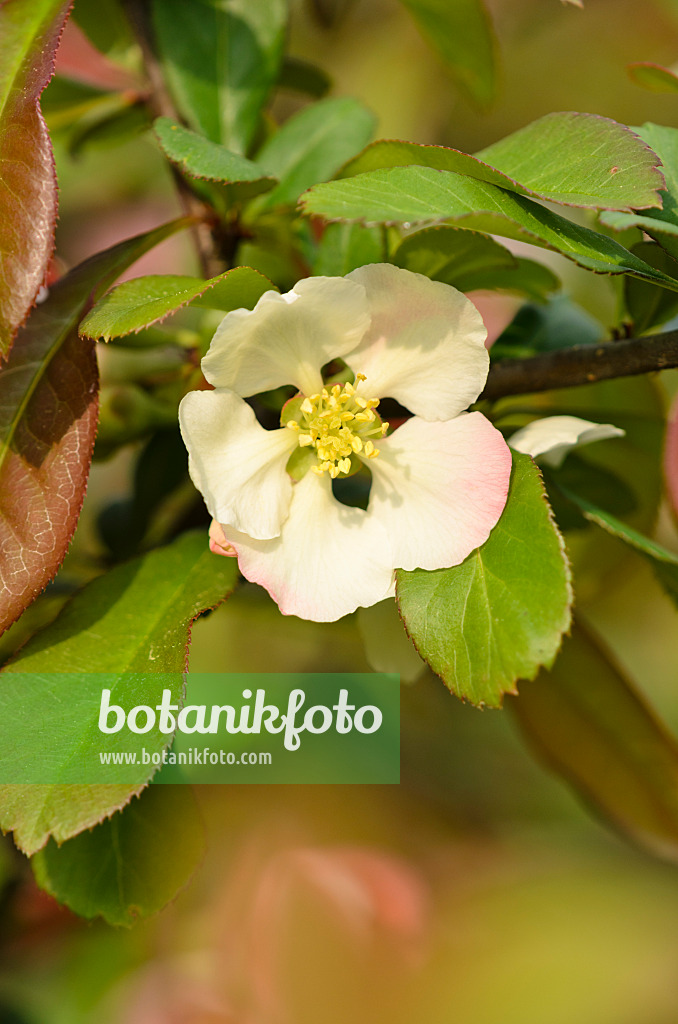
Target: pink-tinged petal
552, 437
497, 311
328, 561
425, 346
286, 339
671, 458
238, 467
439, 488
218, 543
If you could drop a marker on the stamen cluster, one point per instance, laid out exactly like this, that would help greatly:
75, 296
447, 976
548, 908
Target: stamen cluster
339, 423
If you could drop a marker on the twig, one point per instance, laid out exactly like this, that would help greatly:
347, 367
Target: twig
582, 364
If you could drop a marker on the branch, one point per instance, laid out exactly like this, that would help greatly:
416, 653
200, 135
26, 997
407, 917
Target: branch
582, 364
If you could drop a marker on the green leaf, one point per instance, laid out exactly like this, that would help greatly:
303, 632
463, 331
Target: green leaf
345, 247
134, 619
574, 159
586, 721
105, 25
580, 160
131, 865
136, 304
636, 406
300, 76
469, 261
461, 32
221, 58
48, 419
647, 305
417, 194
30, 31
500, 615
201, 158
558, 324
663, 561
312, 145
663, 222
653, 77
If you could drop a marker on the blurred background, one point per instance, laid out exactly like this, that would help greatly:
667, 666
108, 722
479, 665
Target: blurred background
479, 891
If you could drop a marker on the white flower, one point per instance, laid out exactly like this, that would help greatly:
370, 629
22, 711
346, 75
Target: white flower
553, 437
439, 482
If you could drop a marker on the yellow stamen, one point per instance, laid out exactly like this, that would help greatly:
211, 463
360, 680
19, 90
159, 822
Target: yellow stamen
338, 424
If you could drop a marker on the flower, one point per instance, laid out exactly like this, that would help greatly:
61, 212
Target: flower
553, 437
439, 481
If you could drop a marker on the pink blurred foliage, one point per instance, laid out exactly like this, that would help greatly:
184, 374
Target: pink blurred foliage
365, 903
77, 58
671, 458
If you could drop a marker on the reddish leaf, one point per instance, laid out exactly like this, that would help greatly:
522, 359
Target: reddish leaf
48, 417
30, 31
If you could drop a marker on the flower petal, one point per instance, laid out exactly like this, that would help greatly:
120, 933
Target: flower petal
554, 436
439, 488
286, 339
425, 346
238, 467
328, 561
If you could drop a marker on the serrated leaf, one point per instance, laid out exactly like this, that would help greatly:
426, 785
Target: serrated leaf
589, 725
345, 247
221, 58
657, 223
412, 195
312, 145
573, 159
201, 158
468, 260
135, 619
580, 160
47, 424
462, 34
131, 865
653, 77
136, 304
30, 31
500, 615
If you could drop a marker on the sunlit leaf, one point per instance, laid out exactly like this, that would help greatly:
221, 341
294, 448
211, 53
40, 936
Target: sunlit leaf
134, 619
131, 865
345, 247
312, 145
136, 304
29, 30
221, 58
657, 223
47, 424
575, 159
201, 158
500, 615
418, 194
588, 724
